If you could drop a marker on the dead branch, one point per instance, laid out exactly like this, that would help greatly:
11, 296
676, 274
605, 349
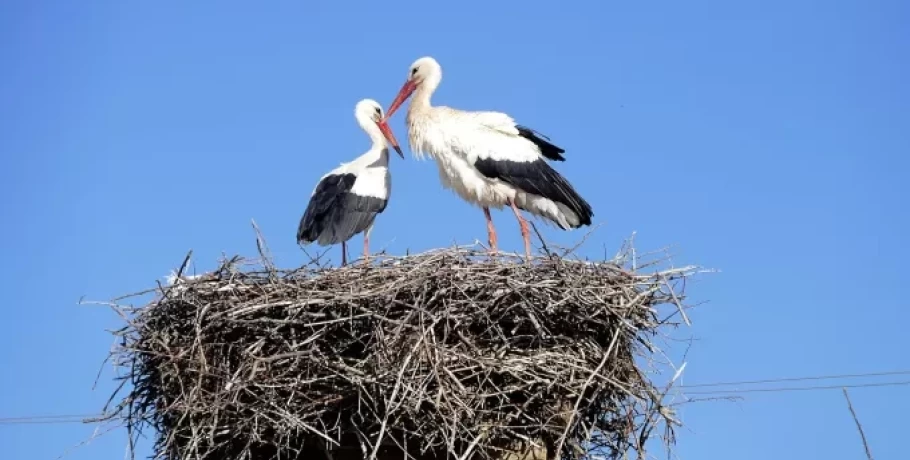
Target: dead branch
447, 352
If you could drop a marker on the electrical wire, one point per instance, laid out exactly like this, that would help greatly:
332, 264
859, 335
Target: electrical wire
785, 389
81, 418
796, 379
46, 419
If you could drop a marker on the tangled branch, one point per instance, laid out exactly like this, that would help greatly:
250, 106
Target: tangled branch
444, 354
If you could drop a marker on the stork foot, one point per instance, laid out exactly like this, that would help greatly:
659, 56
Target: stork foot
492, 241
491, 232
526, 235
366, 249
525, 231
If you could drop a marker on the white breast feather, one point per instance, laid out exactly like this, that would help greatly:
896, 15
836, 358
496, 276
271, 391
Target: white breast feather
372, 171
375, 182
456, 139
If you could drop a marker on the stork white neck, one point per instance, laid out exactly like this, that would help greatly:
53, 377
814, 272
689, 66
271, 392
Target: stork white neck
426, 73
425, 90
372, 129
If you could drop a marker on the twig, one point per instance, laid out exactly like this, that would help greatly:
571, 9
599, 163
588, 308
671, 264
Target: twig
443, 351
676, 302
859, 426
543, 242
263, 248
186, 261
581, 394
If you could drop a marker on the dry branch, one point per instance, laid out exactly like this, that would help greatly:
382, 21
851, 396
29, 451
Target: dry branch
444, 354
859, 426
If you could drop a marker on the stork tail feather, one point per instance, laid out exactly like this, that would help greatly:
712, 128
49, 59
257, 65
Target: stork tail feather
542, 142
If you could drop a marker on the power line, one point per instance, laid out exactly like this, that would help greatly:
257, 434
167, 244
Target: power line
784, 389
45, 422
47, 419
82, 418
796, 379
40, 417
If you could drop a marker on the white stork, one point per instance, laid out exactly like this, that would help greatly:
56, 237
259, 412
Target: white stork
347, 200
488, 159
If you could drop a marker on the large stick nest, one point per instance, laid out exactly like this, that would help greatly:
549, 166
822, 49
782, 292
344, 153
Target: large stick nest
445, 354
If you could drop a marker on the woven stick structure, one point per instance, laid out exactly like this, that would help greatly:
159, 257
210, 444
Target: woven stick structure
448, 354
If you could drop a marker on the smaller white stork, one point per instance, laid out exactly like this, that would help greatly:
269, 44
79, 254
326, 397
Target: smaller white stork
487, 158
347, 200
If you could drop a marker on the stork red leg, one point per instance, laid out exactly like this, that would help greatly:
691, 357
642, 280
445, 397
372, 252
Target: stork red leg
366, 246
525, 231
491, 231
344, 254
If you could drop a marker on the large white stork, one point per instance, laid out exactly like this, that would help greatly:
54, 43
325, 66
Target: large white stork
347, 200
488, 159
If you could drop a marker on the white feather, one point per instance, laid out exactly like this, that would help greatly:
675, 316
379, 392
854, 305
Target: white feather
456, 139
371, 168
372, 179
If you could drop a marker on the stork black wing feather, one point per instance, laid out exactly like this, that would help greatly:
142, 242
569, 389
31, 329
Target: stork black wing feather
547, 149
539, 178
335, 214
353, 215
326, 196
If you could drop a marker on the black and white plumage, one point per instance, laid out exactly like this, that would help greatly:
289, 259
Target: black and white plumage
487, 158
347, 200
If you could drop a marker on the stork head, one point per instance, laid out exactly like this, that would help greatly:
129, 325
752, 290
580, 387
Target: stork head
369, 111
422, 73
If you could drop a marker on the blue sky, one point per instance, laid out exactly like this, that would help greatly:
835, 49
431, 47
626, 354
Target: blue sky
767, 139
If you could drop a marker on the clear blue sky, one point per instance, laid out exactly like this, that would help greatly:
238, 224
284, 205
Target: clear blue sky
767, 139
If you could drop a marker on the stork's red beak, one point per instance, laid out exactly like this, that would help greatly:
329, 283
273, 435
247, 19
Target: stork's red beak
403, 95
387, 132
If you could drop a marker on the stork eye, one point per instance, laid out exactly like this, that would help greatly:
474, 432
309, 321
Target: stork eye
414, 71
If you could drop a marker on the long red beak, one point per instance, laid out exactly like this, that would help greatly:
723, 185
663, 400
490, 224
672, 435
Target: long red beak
387, 132
406, 90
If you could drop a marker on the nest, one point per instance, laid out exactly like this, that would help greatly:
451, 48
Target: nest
444, 354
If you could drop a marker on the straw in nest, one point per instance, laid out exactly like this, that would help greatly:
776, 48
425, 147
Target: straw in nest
444, 354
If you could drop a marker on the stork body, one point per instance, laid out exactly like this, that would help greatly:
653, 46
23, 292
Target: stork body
488, 159
348, 198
